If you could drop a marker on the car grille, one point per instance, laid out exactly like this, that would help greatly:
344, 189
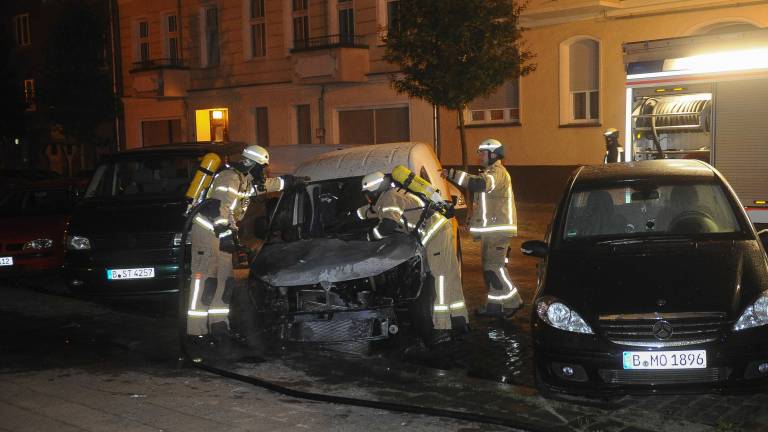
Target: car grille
662, 330
134, 241
654, 377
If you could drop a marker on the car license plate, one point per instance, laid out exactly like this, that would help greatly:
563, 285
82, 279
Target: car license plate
694, 359
6, 261
131, 273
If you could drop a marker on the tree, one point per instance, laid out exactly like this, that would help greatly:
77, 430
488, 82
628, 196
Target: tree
451, 52
75, 87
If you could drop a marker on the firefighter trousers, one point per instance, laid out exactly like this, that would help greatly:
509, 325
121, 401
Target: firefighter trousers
211, 285
445, 268
501, 289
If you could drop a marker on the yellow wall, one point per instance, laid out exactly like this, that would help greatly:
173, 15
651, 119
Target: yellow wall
540, 140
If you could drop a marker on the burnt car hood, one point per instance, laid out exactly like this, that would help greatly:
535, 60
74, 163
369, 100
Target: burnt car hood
309, 262
713, 276
95, 216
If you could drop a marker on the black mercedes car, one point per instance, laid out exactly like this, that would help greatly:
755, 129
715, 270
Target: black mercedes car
125, 236
651, 279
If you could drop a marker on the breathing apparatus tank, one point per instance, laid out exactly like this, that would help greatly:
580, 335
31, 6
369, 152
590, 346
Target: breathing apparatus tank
413, 183
203, 177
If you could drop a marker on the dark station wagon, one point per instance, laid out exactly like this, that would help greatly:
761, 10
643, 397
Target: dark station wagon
652, 279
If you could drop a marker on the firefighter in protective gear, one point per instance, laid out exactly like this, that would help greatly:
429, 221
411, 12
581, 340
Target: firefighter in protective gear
494, 222
399, 210
214, 238
611, 145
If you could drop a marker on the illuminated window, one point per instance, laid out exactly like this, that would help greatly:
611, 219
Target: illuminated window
212, 125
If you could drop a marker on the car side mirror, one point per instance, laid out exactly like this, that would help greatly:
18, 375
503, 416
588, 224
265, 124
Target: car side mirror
534, 248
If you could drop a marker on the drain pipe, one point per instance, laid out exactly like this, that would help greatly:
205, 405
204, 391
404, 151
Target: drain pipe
321, 114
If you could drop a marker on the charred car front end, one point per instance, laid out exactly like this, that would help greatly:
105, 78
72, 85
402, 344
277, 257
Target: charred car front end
319, 279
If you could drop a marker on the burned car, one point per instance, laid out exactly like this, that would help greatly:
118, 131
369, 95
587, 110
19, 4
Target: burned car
652, 279
318, 278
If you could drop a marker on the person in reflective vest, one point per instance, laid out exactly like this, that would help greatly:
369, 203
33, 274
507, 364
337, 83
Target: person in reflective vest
214, 239
494, 222
400, 211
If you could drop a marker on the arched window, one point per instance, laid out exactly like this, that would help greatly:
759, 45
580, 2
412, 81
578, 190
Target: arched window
722, 26
580, 81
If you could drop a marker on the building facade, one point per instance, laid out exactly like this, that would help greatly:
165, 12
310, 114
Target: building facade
275, 72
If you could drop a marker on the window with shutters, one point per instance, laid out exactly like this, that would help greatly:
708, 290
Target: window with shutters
23, 35
258, 28
580, 81
374, 125
501, 106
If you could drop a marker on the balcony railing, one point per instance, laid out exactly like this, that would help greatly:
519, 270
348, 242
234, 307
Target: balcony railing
330, 41
167, 63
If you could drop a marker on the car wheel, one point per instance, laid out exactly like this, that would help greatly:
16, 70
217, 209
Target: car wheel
244, 316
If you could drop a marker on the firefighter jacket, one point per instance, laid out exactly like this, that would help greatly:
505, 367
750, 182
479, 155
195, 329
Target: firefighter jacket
400, 211
494, 210
229, 197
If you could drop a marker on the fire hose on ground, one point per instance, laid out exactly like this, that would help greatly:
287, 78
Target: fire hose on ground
518, 424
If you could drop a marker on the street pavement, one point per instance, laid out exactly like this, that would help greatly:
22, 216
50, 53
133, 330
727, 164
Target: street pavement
70, 365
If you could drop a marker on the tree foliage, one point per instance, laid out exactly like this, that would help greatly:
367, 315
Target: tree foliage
451, 52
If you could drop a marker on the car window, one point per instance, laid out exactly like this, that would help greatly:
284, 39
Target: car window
157, 175
323, 209
621, 211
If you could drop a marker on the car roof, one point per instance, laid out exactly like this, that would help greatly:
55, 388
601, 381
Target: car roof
668, 170
362, 160
183, 148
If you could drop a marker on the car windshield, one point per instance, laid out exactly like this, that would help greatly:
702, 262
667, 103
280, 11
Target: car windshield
146, 176
324, 209
650, 210
37, 202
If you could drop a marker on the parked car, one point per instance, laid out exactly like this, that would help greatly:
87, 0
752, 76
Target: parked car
318, 278
125, 236
32, 222
652, 279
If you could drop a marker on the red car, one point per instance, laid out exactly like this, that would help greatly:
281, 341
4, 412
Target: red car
32, 222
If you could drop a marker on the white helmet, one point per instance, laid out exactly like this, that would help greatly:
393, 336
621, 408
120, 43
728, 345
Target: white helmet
610, 131
491, 145
257, 154
372, 182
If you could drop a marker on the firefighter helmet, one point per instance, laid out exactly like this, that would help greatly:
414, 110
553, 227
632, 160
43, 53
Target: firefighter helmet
493, 146
372, 182
256, 154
